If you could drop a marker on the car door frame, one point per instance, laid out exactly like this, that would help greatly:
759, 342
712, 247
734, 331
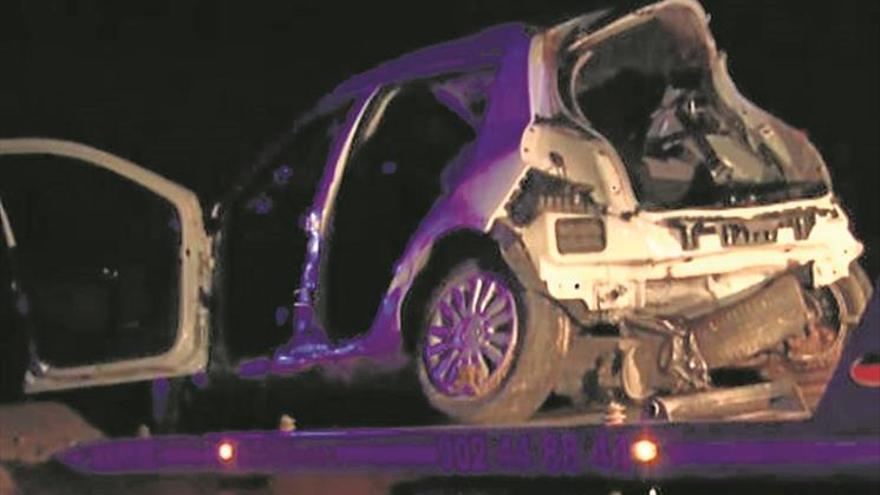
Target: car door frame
189, 353
309, 324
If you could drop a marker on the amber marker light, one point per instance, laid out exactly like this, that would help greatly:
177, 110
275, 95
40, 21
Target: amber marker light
226, 452
644, 451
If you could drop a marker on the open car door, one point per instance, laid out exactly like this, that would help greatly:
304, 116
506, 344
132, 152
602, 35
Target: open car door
112, 260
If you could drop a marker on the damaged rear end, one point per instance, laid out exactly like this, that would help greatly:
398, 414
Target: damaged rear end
694, 239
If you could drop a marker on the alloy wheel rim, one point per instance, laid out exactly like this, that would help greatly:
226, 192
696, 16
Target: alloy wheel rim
472, 333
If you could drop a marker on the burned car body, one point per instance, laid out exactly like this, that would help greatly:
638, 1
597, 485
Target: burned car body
591, 210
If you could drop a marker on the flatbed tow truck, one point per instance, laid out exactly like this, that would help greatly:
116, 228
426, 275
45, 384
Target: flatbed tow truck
841, 439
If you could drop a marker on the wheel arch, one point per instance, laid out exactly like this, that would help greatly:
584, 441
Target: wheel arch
452, 247
501, 247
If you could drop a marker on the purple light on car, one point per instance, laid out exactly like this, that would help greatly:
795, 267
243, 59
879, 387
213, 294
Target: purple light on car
200, 380
480, 182
282, 313
389, 168
174, 223
282, 175
261, 204
160, 388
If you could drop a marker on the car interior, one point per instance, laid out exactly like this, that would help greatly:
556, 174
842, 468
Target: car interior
648, 91
98, 289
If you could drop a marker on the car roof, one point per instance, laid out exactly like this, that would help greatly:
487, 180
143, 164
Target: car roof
483, 49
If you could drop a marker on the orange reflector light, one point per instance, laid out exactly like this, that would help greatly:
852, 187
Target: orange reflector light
226, 451
644, 451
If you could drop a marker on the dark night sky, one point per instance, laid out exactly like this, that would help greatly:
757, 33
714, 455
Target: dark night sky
194, 89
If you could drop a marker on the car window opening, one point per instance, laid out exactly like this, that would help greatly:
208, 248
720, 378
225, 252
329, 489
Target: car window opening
393, 177
99, 260
266, 245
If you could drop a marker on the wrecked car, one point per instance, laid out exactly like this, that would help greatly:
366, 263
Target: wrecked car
591, 211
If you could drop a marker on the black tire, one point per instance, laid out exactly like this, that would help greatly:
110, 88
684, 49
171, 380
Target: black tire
536, 355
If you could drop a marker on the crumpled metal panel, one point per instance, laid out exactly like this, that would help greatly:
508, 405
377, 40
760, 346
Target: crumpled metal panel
762, 320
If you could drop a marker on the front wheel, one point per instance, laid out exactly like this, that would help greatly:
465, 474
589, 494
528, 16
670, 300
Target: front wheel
488, 349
